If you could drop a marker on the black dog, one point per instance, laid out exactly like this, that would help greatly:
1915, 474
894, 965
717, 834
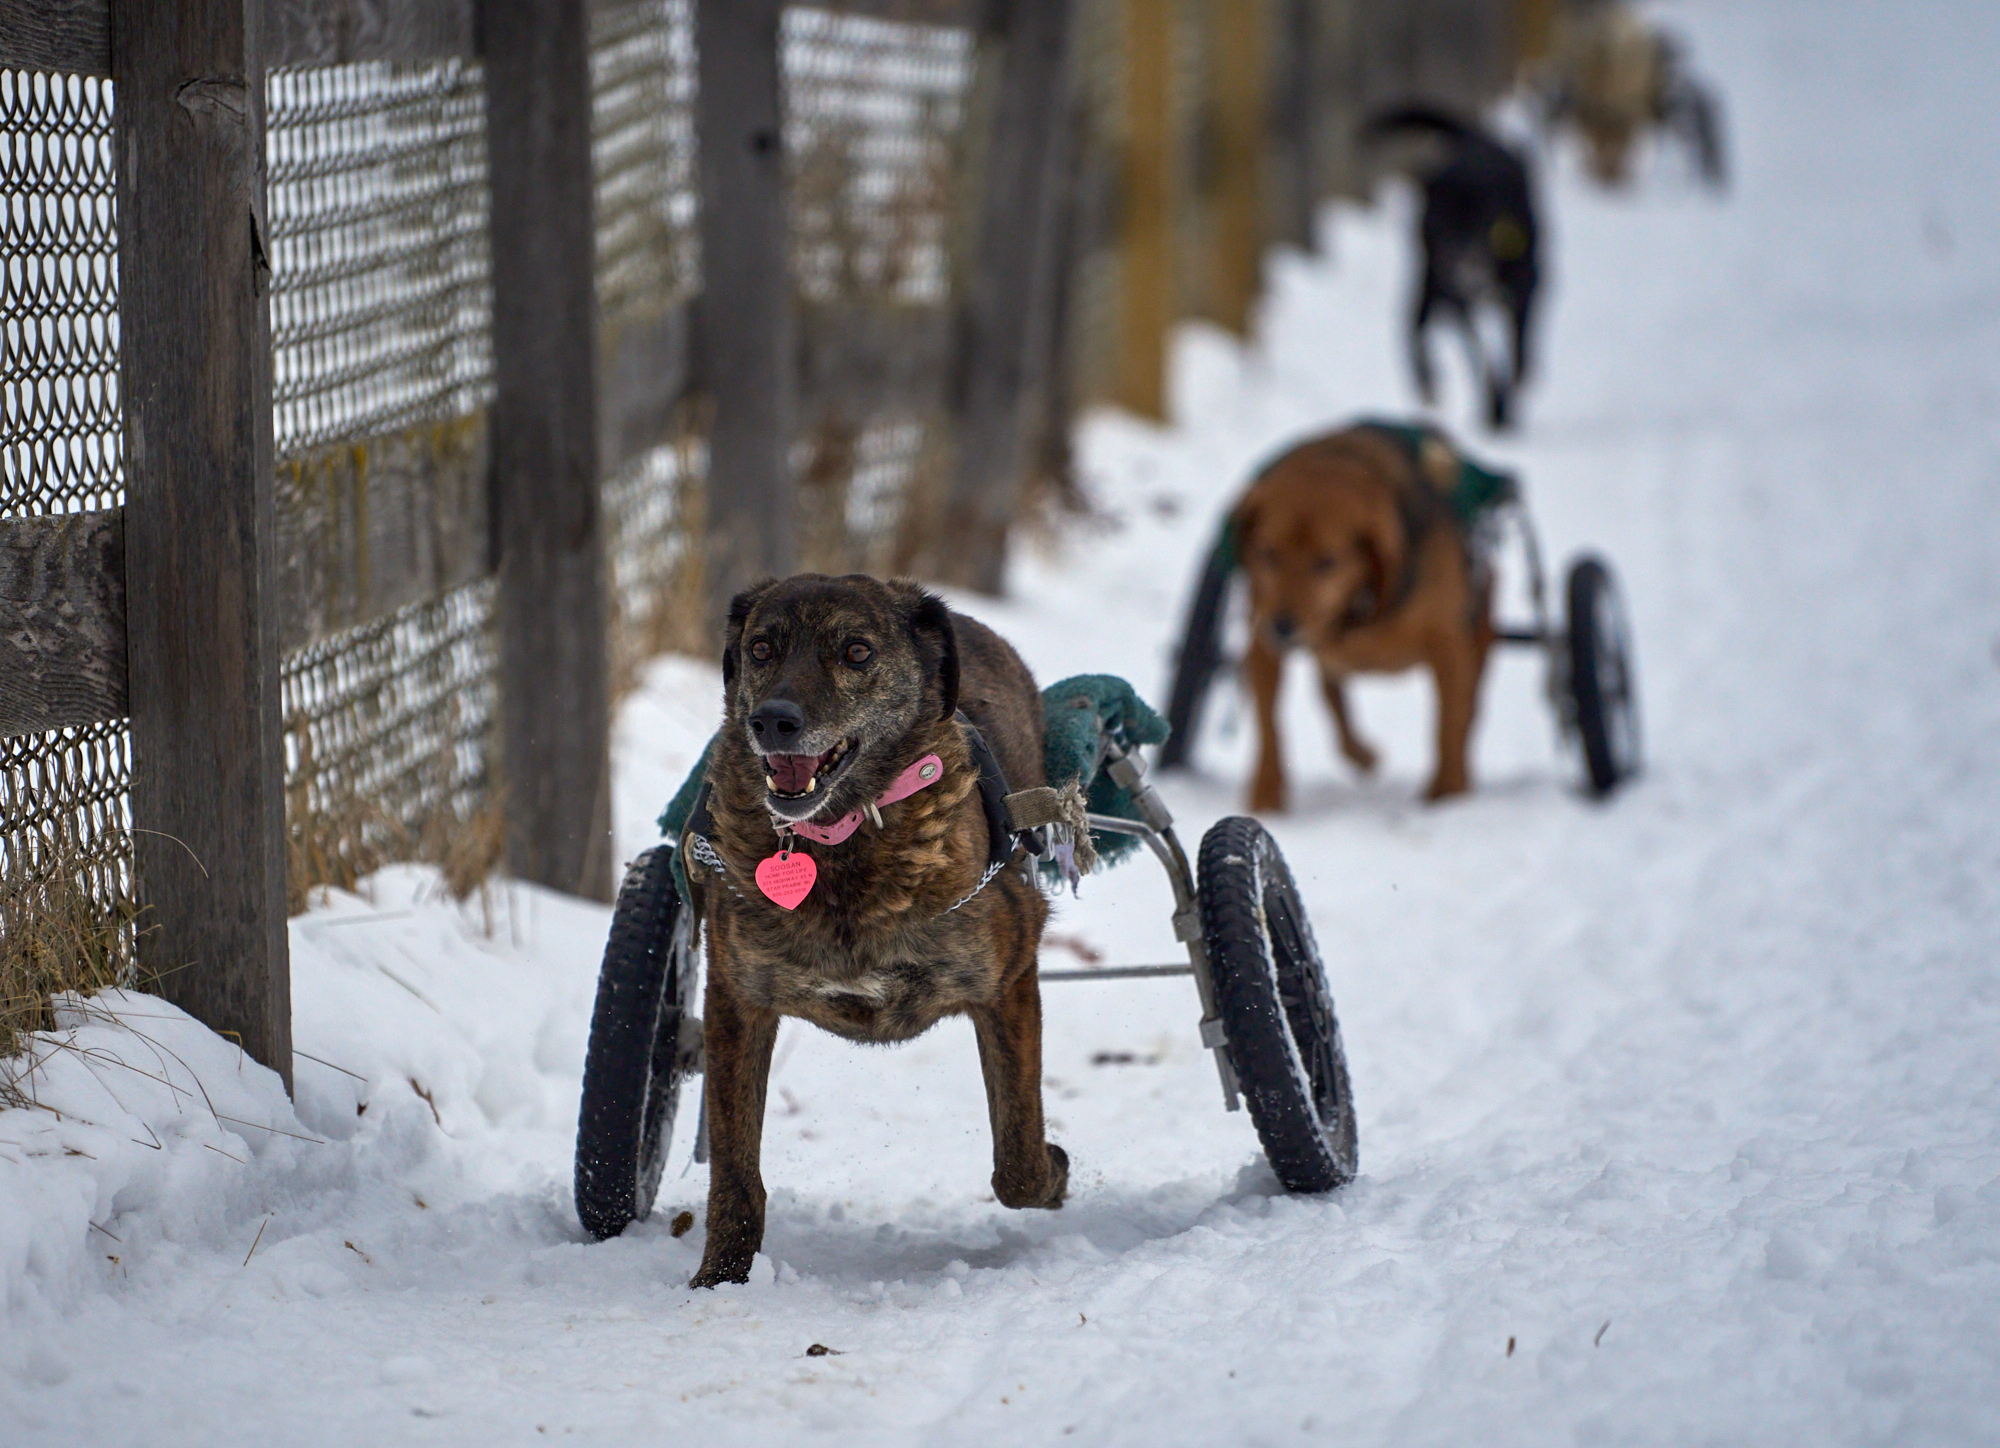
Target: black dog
1480, 246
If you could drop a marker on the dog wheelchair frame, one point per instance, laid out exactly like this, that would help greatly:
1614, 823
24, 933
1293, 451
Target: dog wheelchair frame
1266, 1013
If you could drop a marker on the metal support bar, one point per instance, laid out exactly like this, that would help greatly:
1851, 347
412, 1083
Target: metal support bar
1158, 833
1118, 972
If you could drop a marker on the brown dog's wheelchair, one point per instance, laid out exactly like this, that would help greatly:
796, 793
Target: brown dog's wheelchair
1266, 1012
1590, 680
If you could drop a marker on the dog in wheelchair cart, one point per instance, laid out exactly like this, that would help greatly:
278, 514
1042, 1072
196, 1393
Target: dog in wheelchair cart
852, 848
854, 873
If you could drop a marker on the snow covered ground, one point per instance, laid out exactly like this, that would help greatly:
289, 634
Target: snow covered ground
1679, 1116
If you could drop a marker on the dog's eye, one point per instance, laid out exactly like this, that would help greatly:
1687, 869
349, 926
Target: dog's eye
858, 654
761, 651
1325, 565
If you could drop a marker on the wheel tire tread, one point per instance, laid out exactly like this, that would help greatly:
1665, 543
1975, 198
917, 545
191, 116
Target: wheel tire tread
1589, 582
1305, 1154
636, 1000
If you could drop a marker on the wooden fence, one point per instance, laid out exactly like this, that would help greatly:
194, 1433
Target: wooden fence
384, 377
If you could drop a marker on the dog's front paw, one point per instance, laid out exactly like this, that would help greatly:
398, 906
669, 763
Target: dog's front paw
1361, 756
1046, 1192
1442, 788
720, 1267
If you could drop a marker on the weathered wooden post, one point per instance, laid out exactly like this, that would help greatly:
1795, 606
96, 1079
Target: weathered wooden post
1002, 348
1241, 68
746, 324
1534, 32
1146, 241
1295, 121
554, 689
207, 755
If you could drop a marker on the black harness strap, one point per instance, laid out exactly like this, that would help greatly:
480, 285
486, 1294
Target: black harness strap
1001, 840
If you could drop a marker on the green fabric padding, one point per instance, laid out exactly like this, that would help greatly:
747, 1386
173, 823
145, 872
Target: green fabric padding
675, 819
1077, 709
1477, 489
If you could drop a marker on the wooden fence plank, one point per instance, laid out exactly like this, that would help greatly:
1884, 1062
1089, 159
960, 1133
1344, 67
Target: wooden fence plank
70, 37
547, 524
855, 361
378, 524
918, 12
62, 620
73, 37
1294, 112
202, 623
339, 32
1003, 322
647, 369
1146, 240
1241, 66
747, 362
850, 360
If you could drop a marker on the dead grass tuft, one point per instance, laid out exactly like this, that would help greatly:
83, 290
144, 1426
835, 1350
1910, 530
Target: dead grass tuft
62, 928
335, 838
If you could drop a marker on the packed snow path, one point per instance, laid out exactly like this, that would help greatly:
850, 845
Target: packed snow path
1679, 1119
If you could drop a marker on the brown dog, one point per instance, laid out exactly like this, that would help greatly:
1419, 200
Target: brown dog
1616, 75
836, 688
1353, 553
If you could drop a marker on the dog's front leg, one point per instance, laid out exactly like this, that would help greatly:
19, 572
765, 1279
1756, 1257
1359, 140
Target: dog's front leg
1358, 751
737, 1040
1264, 666
1428, 296
1456, 666
1028, 1169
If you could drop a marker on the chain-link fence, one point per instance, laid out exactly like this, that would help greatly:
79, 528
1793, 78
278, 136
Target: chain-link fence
379, 237
381, 311
65, 808
642, 76
875, 113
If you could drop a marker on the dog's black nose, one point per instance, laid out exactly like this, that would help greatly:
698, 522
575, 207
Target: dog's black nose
1283, 627
777, 721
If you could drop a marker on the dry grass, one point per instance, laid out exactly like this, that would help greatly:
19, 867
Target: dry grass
58, 933
335, 837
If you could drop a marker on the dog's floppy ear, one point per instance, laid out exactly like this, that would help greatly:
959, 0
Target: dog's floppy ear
928, 619
1241, 523
732, 634
1386, 548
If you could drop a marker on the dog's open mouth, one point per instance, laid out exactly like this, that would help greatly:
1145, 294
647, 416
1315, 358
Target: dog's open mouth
800, 776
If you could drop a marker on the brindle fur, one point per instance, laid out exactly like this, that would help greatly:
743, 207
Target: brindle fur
874, 953
1325, 544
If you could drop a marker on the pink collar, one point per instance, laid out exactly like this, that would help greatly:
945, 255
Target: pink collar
921, 775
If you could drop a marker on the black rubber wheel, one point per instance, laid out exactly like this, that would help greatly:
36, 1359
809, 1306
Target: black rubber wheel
1200, 652
1284, 1040
1603, 689
632, 1072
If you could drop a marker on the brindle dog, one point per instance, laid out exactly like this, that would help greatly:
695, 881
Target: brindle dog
833, 687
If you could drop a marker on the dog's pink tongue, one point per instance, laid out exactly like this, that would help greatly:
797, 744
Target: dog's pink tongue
793, 772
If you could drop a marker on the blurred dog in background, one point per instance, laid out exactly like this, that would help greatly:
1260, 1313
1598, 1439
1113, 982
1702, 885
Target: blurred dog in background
1614, 77
1358, 549
1480, 249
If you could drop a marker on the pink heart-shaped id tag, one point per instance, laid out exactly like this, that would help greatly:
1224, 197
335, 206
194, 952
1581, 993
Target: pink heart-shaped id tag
787, 877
